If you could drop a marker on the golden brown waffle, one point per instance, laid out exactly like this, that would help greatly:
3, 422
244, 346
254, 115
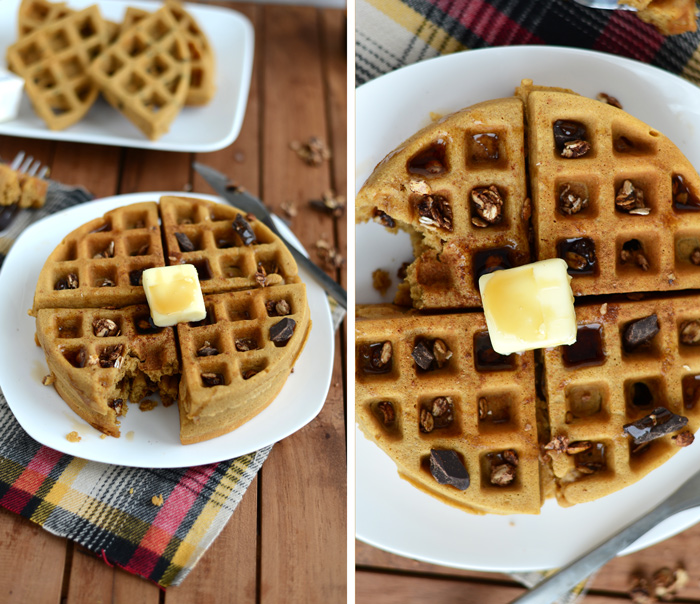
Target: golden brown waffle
251, 338
670, 17
645, 248
433, 185
99, 358
10, 190
598, 385
234, 343
202, 84
100, 263
494, 407
133, 15
53, 60
145, 74
33, 191
34, 14
223, 261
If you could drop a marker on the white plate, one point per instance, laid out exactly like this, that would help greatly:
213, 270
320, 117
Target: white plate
149, 439
390, 513
195, 129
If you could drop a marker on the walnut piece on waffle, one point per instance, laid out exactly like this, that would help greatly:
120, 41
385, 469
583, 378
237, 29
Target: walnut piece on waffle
427, 384
145, 74
102, 357
229, 251
54, 59
459, 187
238, 358
100, 263
615, 375
612, 196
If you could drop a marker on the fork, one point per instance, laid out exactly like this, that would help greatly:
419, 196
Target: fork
23, 165
684, 498
604, 4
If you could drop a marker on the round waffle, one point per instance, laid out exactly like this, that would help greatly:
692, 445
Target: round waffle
102, 349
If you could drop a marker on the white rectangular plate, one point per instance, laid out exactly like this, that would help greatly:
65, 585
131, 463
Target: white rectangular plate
195, 129
149, 439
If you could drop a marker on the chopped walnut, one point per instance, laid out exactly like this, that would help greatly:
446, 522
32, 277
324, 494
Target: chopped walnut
289, 208
572, 199
49, 379
383, 218
313, 152
246, 344
667, 582
575, 149
441, 353
575, 261
640, 592
388, 415
427, 422
683, 439
629, 198
112, 356
207, 350
578, 447
385, 354
609, 100
260, 275
502, 474
488, 203
108, 252
105, 328
558, 443
329, 255
690, 333
330, 203
633, 252
435, 211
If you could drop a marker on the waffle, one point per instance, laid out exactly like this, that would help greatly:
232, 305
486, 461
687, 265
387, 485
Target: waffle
35, 14
236, 338
202, 84
601, 385
223, 262
233, 362
428, 186
53, 60
24, 190
624, 251
493, 400
669, 17
10, 190
100, 358
145, 74
105, 257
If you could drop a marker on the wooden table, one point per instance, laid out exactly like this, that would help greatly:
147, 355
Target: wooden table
286, 542
384, 578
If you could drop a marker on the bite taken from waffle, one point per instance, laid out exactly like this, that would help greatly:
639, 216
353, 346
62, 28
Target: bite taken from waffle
98, 319
459, 381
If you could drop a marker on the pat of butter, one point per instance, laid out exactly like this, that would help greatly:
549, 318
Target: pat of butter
529, 306
174, 294
11, 88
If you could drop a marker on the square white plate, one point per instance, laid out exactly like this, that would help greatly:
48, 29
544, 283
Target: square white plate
391, 108
149, 439
195, 129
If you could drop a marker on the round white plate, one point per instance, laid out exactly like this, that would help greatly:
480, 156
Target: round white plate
390, 513
196, 129
149, 439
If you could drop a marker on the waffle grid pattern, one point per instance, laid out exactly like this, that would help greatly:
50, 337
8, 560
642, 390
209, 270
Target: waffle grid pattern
593, 400
666, 234
34, 14
53, 61
145, 73
510, 393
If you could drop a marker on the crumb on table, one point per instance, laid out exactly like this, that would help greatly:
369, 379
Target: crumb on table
157, 500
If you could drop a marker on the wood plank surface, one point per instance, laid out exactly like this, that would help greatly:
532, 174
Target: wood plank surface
286, 542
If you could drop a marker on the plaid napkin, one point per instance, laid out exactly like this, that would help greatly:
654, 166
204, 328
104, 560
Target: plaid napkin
114, 511
394, 33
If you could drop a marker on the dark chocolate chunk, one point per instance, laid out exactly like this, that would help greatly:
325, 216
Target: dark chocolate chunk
447, 468
422, 355
655, 425
184, 242
136, 276
640, 332
566, 131
144, 325
281, 332
244, 230
384, 219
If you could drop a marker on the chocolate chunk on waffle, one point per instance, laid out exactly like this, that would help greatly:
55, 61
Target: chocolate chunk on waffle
612, 377
626, 214
459, 187
100, 263
233, 363
145, 74
455, 395
101, 358
54, 61
229, 251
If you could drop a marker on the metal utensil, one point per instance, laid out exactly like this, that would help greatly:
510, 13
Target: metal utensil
249, 204
604, 4
686, 497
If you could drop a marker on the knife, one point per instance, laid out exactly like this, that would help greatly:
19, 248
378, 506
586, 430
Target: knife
252, 205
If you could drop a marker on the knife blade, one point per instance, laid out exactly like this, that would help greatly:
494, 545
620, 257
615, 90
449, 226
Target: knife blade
252, 205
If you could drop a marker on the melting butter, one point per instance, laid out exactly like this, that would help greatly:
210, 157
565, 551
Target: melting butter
174, 294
